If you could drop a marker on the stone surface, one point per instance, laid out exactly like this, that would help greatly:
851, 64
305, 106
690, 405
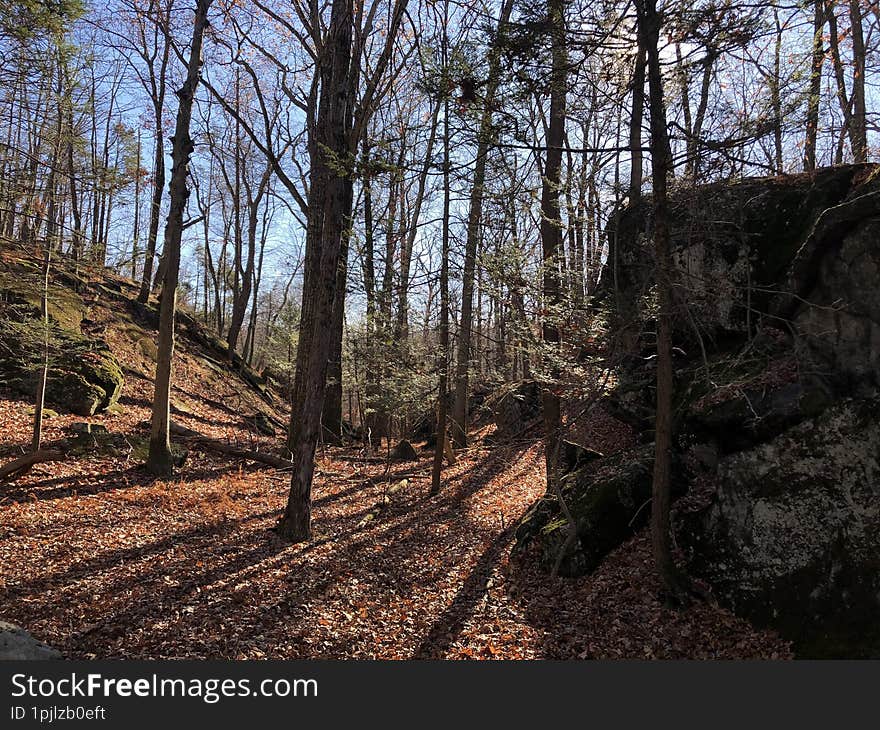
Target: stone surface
749, 415
841, 324
573, 456
148, 348
608, 499
84, 377
791, 538
404, 451
85, 382
514, 406
262, 424
778, 325
734, 246
16, 644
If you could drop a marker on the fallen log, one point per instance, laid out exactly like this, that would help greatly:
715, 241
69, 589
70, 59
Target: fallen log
381, 504
213, 444
364, 459
23, 464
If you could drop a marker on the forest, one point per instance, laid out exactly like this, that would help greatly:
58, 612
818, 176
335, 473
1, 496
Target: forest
439, 329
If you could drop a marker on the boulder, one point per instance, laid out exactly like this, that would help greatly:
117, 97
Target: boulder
404, 451
791, 538
96, 430
84, 377
148, 348
85, 382
839, 322
735, 246
94, 438
352, 432
261, 423
738, 418
514, 406
573, 456
609, 499
16, 644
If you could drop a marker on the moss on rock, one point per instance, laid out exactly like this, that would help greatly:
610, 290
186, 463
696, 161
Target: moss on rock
84, 376
607, 499
73, 392
148, 348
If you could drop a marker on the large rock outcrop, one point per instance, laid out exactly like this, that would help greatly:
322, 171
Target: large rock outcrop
777, 360
839, 321
514, 407
84, 377
791, 537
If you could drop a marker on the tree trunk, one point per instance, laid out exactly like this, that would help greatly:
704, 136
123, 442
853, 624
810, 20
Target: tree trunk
475, 212
443, 352
136, 233
331, 416
845, 102
78, 239
159, 461
329, 212
859, 119
636, 169
155, 211
551, 233
371, 376
776, 94
40, 399
661, 165
815, 92
157, 90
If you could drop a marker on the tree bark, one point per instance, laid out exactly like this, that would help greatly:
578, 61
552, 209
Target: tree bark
551, 234
20, 466
443, 353
40, 399
331, 416
813, 99
245, 272
159, 461
636, 169
327, 220
475, 212
155, 209
845, 101
858, 121
661, 166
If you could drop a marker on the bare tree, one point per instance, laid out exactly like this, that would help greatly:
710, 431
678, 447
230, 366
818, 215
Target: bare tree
649, 24
443, 352
551, 233
475, 212
160, 460
339, 125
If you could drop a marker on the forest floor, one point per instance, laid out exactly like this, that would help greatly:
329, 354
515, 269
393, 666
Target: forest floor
101, 560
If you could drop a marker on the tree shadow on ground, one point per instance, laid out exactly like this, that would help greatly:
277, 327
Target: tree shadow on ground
85, 483
449, 625
196, 592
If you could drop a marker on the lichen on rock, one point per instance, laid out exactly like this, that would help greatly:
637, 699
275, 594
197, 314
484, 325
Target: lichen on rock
791, 538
